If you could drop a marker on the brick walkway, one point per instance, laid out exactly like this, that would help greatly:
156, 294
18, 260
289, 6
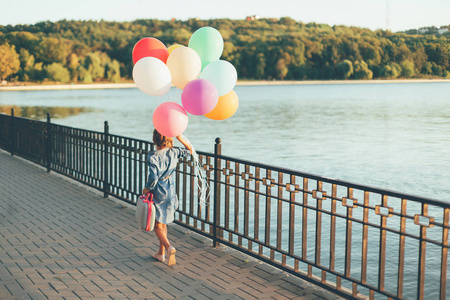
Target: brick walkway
62, 240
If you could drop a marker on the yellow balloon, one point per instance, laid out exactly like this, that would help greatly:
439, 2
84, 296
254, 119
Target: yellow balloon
173, 47
225, 108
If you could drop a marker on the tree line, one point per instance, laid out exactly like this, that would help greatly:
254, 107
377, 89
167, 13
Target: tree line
261, 49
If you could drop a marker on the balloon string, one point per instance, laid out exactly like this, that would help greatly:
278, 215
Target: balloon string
202, 179
176, 97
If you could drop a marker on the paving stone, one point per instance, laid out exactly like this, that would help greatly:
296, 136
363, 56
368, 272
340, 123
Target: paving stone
69, 242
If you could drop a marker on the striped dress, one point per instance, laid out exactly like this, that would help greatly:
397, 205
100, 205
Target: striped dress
161, 182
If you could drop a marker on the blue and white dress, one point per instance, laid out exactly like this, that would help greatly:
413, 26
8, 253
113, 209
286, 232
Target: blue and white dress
161, 182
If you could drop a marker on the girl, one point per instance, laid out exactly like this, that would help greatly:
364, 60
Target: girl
162, 164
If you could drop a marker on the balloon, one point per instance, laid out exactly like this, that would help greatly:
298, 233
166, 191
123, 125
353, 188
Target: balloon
173, 47
170, 119
199, 97
208, 43
152, 76
184, 65
223, 74
225, 108
150, 47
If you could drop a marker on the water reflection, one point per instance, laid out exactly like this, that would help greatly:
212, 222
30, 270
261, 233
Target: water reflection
40, 112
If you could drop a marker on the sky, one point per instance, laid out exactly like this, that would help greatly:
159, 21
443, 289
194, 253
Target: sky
395, 15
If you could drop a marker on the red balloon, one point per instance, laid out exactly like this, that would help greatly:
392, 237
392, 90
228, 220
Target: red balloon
150, 47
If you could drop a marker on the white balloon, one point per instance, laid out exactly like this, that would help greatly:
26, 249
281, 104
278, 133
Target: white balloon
185, 65
152, 76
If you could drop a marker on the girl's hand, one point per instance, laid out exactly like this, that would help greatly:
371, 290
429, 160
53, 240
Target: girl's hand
186, 144
145, 191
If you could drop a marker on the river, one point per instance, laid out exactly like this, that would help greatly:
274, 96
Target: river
387, 135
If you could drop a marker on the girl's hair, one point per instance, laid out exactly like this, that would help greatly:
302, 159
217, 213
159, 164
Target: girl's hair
162, 141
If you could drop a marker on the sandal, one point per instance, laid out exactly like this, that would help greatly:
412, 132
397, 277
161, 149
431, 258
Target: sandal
171, 253
161, 258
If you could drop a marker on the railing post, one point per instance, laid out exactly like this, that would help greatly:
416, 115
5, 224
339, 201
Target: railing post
105, 161
216, 221
48, 144
11, 133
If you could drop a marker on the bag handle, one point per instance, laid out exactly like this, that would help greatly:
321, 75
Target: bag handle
149, 213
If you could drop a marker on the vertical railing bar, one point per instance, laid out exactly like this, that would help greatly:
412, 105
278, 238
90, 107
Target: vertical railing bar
105, 161
348, 236
365, 239
192, 192
76, 154
136, 168
305, 219
49, 144
401, 250
256, 209
318, 226
217, 163
236, 198
280, 210
139, 168
185, 201
98, 169
268, 207
130, 156
422, 256
444, 254
80, 154
208, 199
246, 201
291, 217
115, 153
120, 147
382, 250
333, 227
12, 132
125, 167
227, 196
177, 190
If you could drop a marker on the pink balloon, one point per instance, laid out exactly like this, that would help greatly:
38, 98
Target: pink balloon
199, 97
170, 119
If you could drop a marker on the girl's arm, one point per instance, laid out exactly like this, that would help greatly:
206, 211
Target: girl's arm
185, 143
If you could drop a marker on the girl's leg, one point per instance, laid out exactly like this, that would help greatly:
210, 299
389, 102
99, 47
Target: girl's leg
161, 233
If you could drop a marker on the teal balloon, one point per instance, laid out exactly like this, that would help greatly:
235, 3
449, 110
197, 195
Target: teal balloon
208, 43
222, 73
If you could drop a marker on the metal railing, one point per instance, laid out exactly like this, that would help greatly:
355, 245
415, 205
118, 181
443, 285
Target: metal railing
354, 240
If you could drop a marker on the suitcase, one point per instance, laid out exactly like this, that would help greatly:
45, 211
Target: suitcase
145, 212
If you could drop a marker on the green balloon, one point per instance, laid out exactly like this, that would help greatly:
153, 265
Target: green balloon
208, 43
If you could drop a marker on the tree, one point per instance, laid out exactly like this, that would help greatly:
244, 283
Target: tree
92, 63
72, 64
52, 50
419, 58
407, 67
112, 70
84, 75
281, 69
9, 61
361, 70
57, 72
344, 70
260, 66
391, 71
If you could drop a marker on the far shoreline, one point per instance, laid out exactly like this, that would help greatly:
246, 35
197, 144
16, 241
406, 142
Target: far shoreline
31, 87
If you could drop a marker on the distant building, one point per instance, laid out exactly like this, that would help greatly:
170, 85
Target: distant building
423, 30
252, 18
442, 30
